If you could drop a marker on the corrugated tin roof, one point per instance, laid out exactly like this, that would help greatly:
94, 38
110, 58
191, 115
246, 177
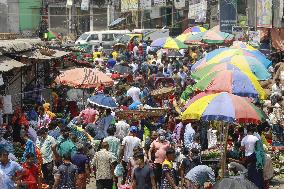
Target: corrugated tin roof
37, 55
18, 45
7, 64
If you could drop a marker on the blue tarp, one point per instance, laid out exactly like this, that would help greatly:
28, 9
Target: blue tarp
117, 21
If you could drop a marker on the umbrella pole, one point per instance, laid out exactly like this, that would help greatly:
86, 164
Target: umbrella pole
223, 163
83, 98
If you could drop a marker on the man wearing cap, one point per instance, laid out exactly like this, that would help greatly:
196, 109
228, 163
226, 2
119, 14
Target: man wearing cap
128, 144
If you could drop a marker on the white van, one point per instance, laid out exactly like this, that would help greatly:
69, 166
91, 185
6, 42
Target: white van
107, 37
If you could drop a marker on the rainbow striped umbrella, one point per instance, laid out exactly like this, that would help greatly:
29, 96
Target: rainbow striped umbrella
183, 37
242, 63
223, 54
195, 29
231, 81
243, 45
223, 107
168, 43
210, 37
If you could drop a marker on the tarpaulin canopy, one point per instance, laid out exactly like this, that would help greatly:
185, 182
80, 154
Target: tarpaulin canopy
116, 22
7, 64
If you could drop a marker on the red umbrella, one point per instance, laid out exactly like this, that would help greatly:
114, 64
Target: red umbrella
83, 78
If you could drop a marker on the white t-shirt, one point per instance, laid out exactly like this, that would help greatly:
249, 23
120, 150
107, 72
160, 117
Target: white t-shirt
2, 179
134, 93
249, 143
129, 143
277, 90
99, 60
135, 50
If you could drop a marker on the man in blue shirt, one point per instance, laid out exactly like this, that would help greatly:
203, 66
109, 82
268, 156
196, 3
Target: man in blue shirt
111, 62
200, 174
8, 170
81, 160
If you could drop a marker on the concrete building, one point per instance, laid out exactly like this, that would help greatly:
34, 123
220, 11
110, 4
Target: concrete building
20, 16
95, 15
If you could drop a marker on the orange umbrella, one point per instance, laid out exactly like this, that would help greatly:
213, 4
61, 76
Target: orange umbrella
83, 78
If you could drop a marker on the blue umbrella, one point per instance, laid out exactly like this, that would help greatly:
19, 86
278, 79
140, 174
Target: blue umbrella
103, 101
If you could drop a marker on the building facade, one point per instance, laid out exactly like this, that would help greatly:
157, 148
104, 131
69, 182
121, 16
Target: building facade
20, 16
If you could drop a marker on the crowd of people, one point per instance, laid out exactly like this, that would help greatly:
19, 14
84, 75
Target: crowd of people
40, 149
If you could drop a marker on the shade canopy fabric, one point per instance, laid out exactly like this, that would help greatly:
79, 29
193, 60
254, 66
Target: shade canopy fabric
224, 107
238, 62
83, 78
103, 101
236, 82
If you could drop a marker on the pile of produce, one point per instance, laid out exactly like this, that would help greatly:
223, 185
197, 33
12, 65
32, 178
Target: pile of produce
277, 158
211, 154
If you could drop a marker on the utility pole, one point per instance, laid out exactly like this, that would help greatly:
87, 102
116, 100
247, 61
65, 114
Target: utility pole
91, 16
173, 4
141, 14
108, 13
142, 18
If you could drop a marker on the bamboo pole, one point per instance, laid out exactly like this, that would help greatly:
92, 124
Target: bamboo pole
223, 163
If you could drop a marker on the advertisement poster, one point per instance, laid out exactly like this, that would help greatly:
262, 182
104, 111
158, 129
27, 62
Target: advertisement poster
160, 3
254, 38
179, 4
197, 10
228, 15
264, 13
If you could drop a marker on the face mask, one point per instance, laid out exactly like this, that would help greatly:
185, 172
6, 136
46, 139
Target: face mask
162, 138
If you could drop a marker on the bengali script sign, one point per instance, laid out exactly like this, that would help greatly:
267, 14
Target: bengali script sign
228, 15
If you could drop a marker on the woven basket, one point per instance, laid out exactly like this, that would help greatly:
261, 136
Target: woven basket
140, 114
163, 92
46, 51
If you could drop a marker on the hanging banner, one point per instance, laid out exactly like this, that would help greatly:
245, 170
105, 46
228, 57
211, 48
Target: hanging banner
146, 4
264, 13
85, 5
124, 6
228, 15
197, 10
69, 4
160, 3
179, 4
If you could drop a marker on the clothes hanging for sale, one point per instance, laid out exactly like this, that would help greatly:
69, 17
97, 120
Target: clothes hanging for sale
1, 80
212, 138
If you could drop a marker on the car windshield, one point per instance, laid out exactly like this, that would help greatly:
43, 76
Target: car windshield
107, 37
84, 36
